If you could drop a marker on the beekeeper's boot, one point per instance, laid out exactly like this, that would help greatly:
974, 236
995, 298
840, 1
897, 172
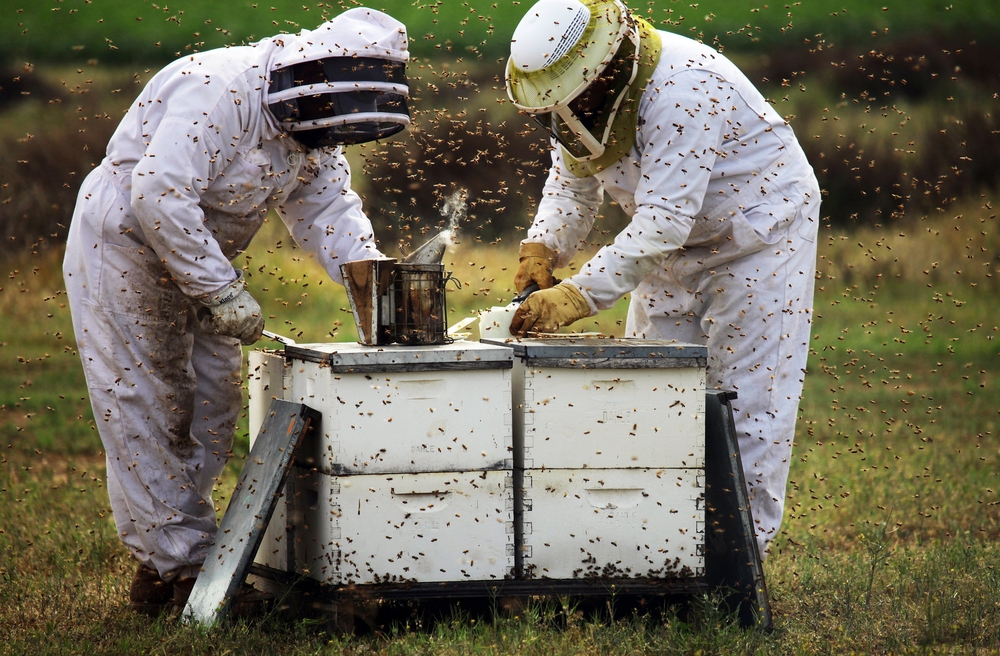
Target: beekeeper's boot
149, 594
249, 602
182, 590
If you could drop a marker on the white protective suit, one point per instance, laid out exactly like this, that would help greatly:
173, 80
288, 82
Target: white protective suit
189, 176
718, 172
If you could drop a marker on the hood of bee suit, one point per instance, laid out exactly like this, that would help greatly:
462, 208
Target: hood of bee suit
360, 92
358, 32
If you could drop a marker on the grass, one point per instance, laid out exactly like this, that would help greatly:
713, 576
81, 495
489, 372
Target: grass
892, 524
130, 30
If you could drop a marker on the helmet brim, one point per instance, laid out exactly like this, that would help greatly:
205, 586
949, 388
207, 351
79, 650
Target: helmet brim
555, 85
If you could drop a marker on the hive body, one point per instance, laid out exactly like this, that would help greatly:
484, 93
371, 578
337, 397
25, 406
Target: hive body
554, 459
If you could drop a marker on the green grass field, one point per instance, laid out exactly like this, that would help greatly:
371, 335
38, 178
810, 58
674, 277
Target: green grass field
890, 535
137, 30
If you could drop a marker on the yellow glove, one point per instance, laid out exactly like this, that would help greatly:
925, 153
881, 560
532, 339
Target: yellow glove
548, 310
537, 262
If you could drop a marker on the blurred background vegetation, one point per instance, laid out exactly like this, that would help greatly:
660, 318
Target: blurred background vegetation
894, 102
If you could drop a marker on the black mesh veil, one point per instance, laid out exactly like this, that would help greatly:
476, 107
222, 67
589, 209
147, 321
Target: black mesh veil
340, 100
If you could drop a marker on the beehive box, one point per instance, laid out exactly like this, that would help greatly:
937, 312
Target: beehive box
415, 440
397, 409
395, 528
612, 523
609, 443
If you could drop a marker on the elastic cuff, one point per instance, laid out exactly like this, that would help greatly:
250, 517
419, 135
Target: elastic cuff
185, 572
535, 249
190, 572
227, 292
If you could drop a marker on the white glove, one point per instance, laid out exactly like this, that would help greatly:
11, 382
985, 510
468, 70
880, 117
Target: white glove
233, 312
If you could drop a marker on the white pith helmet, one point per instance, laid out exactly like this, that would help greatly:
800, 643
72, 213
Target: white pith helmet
559, 50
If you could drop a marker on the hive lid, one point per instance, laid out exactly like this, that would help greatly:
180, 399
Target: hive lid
611, 352
351, 357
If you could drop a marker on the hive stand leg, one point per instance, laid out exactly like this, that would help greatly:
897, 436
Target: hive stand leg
250, 509
732, 560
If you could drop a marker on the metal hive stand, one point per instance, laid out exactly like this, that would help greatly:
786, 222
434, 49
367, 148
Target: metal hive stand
250, 509
732, 561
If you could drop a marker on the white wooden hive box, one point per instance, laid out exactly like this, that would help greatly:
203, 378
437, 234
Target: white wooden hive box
607, 403
419, 492
396, 409
613, 523
433, 527
609, 443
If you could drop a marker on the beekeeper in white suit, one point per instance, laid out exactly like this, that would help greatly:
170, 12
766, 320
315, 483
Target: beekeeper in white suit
724, 208
213, 142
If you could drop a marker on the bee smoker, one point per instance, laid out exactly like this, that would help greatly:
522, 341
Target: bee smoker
397, 302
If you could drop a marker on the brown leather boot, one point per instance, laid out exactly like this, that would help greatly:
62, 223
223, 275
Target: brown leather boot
249, 602
182, 590
149, 594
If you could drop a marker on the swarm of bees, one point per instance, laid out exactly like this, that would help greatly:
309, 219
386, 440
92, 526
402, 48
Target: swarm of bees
905, 254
